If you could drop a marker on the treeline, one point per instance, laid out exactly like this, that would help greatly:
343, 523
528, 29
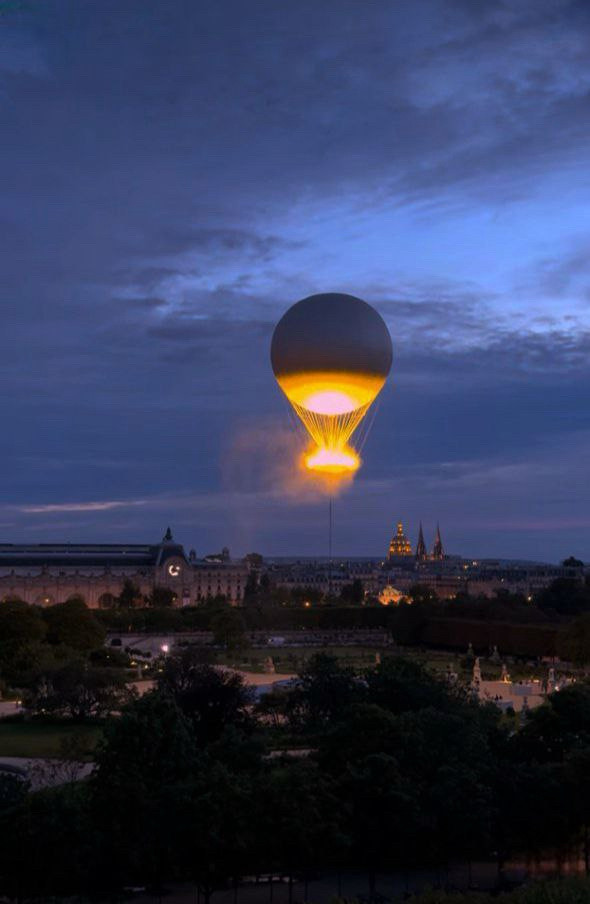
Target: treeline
568, 891
402, 770
430, 624
254, 618
55, 659
511, 639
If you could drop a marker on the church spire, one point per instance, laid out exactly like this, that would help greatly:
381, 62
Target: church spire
437, 550
421, 553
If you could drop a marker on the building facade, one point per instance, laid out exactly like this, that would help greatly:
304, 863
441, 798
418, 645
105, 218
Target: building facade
44, 574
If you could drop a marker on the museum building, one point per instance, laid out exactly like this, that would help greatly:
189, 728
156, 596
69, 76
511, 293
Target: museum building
47, 573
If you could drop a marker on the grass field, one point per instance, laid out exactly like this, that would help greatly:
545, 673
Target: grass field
291, 659
38, 739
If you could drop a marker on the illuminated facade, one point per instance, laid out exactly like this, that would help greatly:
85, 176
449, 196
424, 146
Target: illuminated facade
45, 574
399, 545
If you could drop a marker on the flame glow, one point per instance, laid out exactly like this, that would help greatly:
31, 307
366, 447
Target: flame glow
333, 461
331, 393
330, 401
331, 406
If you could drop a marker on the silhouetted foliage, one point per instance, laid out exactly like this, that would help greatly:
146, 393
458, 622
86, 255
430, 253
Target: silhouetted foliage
396, 769
572, 562
130, 595
573, 644
161, 598
353, 593
79, 691
566, 596
73, 624
212, 699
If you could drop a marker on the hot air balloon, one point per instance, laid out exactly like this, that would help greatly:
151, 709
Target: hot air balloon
331, 355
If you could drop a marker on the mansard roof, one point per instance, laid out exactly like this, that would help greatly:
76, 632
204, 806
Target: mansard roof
106, 555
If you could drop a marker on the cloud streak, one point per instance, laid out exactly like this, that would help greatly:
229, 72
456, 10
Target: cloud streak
78, 507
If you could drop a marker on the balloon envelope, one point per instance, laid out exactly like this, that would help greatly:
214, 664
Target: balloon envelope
331, 355
331, 332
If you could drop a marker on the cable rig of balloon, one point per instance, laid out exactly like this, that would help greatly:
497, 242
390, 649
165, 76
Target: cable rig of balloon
331, 355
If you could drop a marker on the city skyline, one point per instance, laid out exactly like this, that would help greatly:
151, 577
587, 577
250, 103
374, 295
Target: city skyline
179, 177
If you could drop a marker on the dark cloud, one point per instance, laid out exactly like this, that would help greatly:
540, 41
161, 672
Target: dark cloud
558, 275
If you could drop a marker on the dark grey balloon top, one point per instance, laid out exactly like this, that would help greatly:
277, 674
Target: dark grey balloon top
331, 332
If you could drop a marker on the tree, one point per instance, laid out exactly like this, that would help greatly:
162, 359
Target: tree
36, 855
161, 597
228, 629
251, 589
78, 691
73, 625
566, 596
400, 685
408, 622
556, 728
20, 624
215, 827
300, 594
573, 643
143, 765
422, 593
363, 730
13, 790
577, 780
383, 819
537, 810
130, 595
33, 660
298, 816
150, 744
353, 593
212, 699
572, 562
324, 691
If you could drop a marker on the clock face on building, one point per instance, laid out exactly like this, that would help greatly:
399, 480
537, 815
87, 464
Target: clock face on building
174, 570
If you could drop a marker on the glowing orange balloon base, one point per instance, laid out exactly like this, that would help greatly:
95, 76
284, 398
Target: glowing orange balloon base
326, 460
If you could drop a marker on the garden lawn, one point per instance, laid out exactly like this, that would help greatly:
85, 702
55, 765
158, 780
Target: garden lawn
43, 739
291, 659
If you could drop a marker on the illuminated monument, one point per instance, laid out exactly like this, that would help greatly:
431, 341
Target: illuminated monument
331, 355
400, 545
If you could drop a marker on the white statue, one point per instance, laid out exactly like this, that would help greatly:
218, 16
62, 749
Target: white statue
476, 671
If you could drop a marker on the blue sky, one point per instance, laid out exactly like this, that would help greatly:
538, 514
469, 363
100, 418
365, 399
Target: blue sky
176, 175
